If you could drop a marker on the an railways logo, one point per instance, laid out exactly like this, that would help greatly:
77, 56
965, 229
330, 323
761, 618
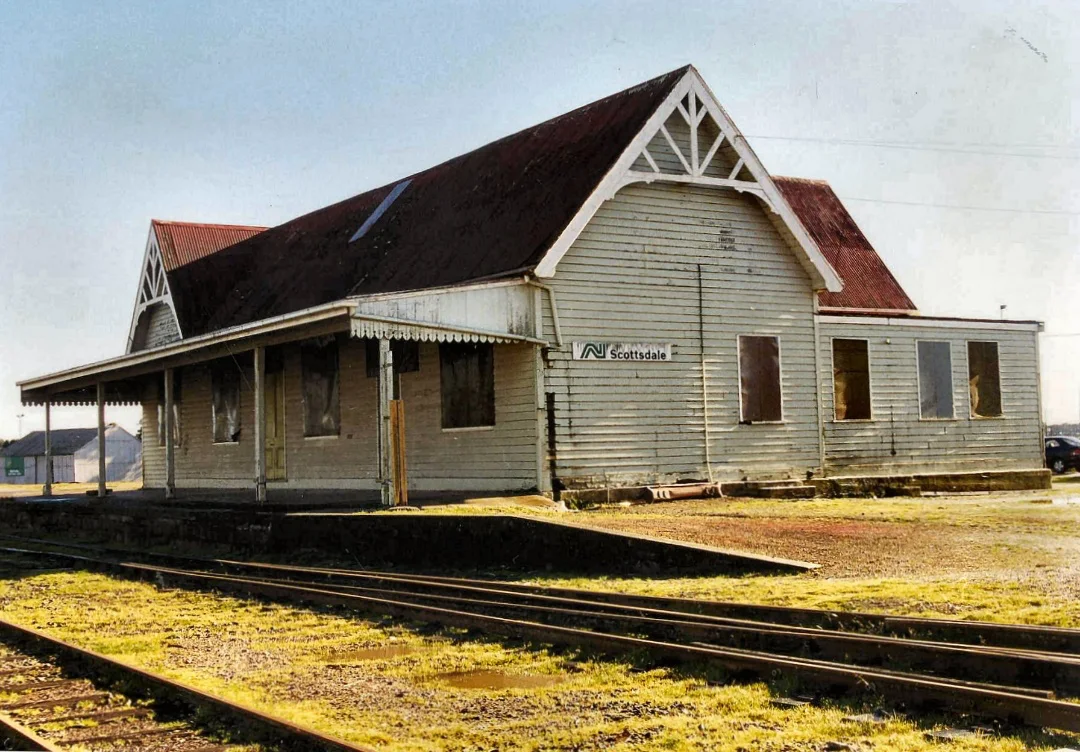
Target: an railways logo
590, 351
630, 351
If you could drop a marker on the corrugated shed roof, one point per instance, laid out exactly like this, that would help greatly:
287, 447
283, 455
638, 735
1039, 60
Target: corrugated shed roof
868, 283
489, 213
184, 242
64, 441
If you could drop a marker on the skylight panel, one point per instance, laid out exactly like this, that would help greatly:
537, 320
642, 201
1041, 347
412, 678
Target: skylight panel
380, 210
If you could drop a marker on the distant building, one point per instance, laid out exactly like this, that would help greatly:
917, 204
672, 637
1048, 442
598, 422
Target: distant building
75, 456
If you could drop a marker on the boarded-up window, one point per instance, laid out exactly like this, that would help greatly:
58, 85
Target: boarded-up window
225, 403
176, 432
467, 377
759, 379
406, 356
984, 379
320, 388
935, 380
851, 379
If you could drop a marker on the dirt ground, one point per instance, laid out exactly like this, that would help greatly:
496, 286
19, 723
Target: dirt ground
1027, 538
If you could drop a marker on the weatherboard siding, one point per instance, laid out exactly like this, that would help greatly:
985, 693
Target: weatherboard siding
162, 328
632, 276
499, 458
896, 440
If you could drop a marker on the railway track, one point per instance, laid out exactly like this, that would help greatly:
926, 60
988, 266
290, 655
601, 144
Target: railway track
55, 696
1013, 673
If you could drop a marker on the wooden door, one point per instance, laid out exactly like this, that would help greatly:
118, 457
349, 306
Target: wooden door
275, 426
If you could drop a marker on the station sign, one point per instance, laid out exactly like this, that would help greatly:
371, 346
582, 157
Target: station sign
14, 467
624, 351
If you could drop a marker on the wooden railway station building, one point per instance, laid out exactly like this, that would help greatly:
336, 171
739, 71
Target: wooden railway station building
620, 296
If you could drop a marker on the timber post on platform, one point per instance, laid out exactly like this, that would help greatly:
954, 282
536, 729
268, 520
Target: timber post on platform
170, 442
48, 448
101, 491
386, 392
260, 424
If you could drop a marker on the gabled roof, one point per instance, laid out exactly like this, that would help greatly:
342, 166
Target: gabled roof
490, 213
184, 242
868, 283
64, 441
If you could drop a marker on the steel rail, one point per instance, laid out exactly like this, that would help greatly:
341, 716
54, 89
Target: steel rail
1027, 669
13, 732
259, 726
1013, 667
918, 690
1041, 639
1001, 702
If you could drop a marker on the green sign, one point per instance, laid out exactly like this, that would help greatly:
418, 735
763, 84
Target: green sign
13, 467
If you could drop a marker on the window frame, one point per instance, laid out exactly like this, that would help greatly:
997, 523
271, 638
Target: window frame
217, 372
371, 359
178, 433
779, 377
1001, 392
869, 379
442, 394
312, 344
952, 380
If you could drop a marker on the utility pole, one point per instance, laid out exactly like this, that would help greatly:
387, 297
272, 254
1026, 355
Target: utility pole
19, 417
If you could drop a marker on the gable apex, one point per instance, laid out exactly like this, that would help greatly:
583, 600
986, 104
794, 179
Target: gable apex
695, 134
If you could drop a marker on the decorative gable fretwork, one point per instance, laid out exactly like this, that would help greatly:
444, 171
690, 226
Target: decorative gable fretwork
693, 146
153, 304
690, 139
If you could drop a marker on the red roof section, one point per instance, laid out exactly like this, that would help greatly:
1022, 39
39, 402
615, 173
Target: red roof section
183, 242
868, 283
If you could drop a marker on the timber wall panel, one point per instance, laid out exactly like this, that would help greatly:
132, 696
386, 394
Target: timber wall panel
897, 440
632, 276
500, 458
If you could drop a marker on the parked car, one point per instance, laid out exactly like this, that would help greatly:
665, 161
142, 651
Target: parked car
1062, 453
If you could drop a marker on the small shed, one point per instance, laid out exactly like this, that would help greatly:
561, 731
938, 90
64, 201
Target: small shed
75, 453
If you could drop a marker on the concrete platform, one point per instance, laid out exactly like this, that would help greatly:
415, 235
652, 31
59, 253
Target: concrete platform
438, 542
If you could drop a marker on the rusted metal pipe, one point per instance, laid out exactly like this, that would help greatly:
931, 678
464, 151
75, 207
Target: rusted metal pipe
684, 491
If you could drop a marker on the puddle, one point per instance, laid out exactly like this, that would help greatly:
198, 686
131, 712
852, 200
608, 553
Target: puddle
373, 654
488, 679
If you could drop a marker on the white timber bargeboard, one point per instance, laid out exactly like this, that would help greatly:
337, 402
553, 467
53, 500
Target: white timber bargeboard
897, 440
632, 275
153, 290
703, 105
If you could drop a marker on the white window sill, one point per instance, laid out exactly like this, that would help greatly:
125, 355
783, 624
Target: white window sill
226, 443
333, 437
468, 429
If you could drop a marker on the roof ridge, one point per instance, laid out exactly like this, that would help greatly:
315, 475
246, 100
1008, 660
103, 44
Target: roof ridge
682, 71
215, 225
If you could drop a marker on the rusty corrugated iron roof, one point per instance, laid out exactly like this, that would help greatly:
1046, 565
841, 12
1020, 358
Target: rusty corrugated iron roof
489, 213
868, 283
184, 242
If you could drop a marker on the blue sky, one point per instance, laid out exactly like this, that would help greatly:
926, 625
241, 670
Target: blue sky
253, 113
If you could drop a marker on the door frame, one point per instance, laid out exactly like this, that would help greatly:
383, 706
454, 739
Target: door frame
278, 395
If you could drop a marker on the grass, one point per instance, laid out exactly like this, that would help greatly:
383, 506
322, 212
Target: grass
303, 665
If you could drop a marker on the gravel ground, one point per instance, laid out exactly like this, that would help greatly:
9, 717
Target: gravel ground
1001, 536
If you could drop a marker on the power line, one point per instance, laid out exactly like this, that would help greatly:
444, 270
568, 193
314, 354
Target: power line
916, 146
1056, 212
